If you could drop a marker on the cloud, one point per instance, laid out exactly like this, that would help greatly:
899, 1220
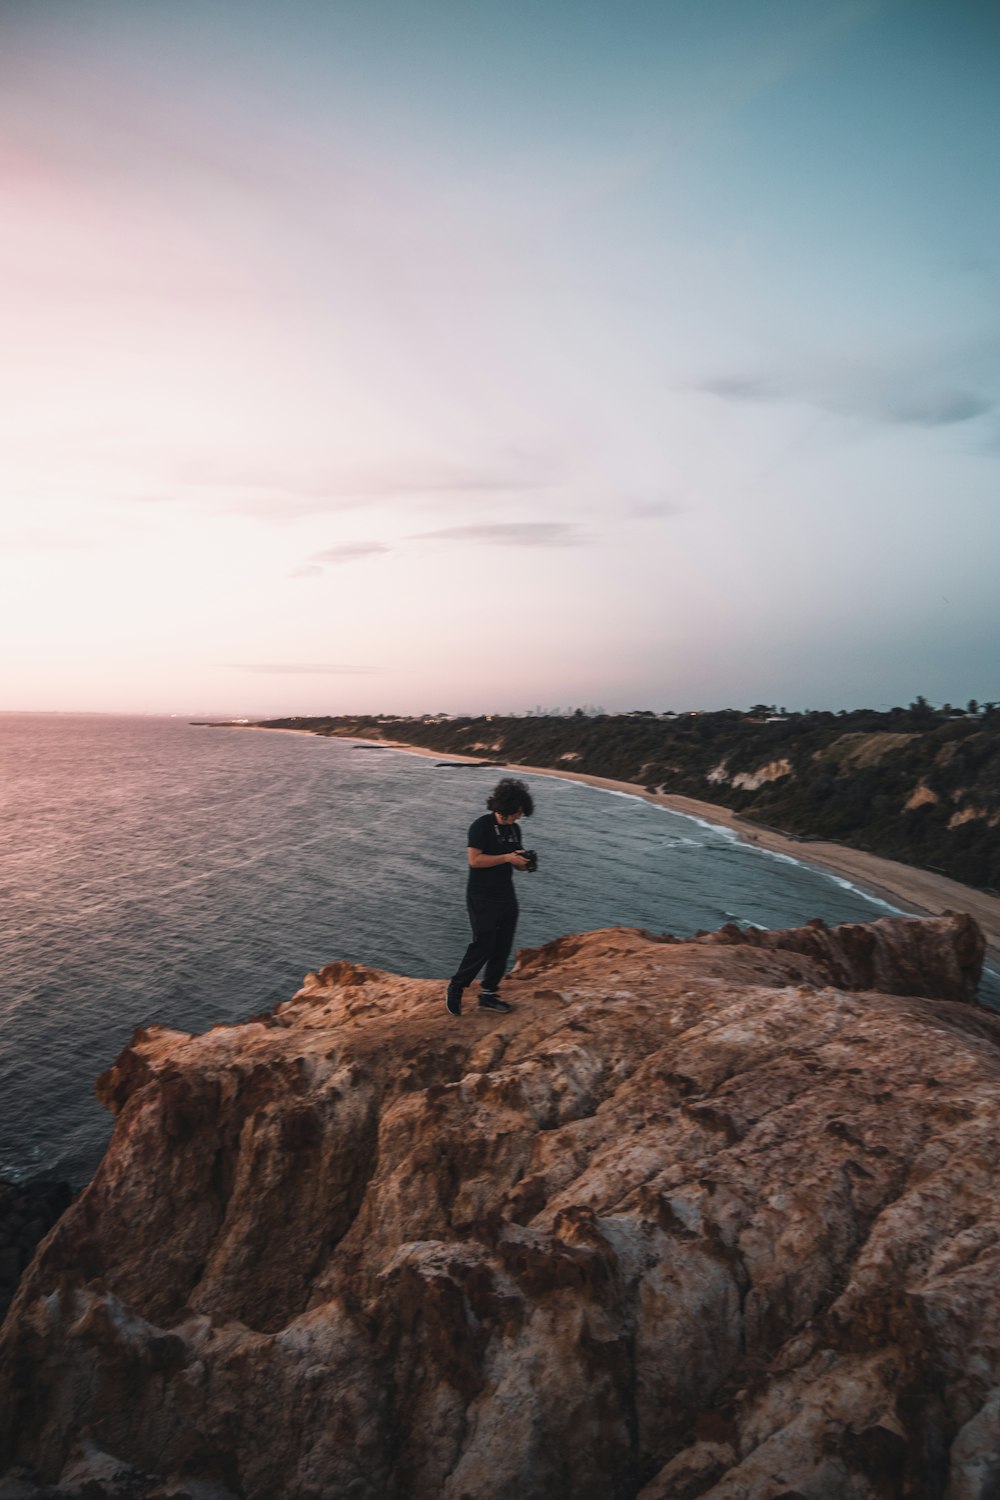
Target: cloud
346, 552
874, 396
509, 534
299, 669
269, 492
350, 552
741, 388
940, 408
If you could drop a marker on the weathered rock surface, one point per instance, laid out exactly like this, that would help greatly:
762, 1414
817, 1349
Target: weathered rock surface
713, 1219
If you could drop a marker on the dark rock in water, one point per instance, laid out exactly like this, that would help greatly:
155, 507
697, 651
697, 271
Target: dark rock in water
710, 1219
470, 765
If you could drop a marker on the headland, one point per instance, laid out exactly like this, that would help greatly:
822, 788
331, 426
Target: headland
709, 1218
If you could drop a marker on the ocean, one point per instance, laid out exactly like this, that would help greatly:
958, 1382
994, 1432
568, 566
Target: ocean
154, 871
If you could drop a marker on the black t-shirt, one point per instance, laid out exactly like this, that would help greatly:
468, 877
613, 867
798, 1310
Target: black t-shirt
491, 837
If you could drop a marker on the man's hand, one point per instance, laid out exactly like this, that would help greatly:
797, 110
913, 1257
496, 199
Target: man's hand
518, 861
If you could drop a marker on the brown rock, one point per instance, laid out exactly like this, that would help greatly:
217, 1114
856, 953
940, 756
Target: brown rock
712, 1218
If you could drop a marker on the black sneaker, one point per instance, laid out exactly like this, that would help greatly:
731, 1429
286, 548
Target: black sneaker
453, 999
490, 1000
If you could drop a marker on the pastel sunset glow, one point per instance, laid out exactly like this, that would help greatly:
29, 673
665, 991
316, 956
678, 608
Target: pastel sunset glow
468, 356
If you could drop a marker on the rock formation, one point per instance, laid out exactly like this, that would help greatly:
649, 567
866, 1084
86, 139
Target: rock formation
712, 1218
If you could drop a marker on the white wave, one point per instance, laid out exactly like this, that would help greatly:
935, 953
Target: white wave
845, 885
857, 890
784, 859
729, 834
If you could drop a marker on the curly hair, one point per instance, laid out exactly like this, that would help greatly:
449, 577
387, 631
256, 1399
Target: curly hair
510, 796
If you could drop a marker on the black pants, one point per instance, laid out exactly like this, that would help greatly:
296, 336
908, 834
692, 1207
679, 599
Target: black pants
492, 939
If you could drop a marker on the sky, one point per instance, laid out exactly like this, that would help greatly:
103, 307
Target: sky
449, 355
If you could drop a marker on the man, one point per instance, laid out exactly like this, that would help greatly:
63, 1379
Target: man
495, 851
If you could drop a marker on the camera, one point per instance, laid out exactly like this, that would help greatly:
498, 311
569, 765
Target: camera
532, 858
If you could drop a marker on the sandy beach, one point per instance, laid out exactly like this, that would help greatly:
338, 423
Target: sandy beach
914, 891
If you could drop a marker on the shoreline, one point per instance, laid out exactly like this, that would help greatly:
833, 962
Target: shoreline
924, 893
927, 894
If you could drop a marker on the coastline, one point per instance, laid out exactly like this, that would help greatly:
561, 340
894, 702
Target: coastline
915, 892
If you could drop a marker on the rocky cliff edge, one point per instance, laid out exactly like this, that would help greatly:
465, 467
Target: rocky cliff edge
714, 1218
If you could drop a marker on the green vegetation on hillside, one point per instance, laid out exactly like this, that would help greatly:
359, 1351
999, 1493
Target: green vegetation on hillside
916, 784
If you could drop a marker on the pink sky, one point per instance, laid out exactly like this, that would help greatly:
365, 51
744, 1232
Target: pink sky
314, 396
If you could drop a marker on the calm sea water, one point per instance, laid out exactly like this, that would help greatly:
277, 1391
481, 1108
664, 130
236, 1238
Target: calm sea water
154, 871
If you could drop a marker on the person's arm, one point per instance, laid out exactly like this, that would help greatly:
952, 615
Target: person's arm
480, 861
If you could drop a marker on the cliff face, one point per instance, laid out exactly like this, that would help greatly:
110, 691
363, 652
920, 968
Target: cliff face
705, 1218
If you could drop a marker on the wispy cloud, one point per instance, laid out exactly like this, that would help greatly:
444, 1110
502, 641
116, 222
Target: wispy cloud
876, 397
940, 408
349, 552
742, 388
500, 533
299, 669
509, 534
266, 492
